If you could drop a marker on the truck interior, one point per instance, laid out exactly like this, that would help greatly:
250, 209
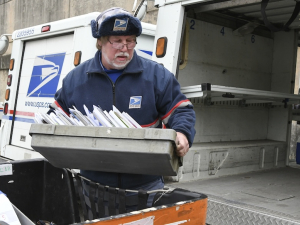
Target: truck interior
241, 78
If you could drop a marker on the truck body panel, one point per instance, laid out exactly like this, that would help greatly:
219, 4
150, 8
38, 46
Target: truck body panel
41, 61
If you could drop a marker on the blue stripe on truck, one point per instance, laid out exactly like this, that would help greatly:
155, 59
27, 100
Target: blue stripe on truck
20, 119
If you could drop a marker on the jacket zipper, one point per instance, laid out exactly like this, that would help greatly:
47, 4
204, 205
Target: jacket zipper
114, 88
114, 93
114, 103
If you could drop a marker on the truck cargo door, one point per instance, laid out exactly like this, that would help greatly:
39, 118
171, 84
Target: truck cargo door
45, 63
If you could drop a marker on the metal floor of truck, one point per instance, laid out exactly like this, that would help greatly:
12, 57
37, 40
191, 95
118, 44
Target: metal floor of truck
264, 197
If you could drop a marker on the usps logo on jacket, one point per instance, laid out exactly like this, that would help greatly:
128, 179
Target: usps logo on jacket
135, 102
45, 75
120, 25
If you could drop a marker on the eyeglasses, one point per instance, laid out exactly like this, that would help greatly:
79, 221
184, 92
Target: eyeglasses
119, 46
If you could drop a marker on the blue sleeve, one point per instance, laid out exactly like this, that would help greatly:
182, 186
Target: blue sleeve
176, 110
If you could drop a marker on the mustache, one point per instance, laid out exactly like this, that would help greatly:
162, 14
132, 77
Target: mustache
122, 54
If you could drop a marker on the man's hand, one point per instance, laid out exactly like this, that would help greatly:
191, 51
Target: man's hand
182, 144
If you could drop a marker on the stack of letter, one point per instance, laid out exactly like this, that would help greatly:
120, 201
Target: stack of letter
97, 118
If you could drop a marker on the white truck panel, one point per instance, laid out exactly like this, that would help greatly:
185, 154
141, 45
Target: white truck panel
219, 57
87, 47
42, 69
17, 153
278, 125
170, 20
57, 27
144, 46
284, 63
230, 124
17, 56
48, 58
39, 49
183, 2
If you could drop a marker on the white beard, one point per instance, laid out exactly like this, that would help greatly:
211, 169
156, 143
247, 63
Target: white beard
118, 65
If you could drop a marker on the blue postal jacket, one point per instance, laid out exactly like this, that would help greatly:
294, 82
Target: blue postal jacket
146, 91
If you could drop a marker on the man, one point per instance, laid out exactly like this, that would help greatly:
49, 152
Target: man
115, 76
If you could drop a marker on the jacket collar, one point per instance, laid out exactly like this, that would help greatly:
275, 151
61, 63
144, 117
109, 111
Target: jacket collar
135, 65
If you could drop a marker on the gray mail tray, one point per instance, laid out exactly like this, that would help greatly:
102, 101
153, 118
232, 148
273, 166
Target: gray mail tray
122, 150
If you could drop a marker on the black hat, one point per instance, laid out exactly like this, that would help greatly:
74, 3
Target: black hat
115, 21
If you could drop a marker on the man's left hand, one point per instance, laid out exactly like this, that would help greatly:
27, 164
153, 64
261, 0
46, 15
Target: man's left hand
182, 144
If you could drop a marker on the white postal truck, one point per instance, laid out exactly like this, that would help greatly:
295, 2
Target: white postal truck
41, 57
